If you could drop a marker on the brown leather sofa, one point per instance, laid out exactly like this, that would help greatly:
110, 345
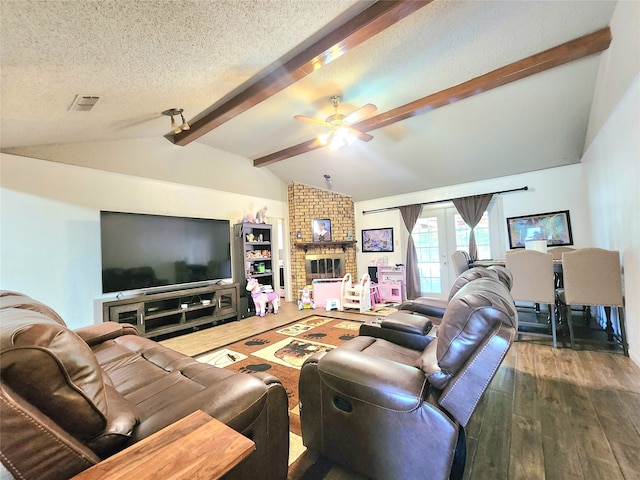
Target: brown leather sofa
388, 410
414, 319
71, 398
434, 307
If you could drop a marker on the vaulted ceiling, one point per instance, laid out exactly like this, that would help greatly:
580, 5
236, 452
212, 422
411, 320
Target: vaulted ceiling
464, 90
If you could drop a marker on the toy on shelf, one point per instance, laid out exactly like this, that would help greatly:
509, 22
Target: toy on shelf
305, 301
263, 297
261, 215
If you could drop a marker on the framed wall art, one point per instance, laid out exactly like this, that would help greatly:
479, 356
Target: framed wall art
377, 240
554, 227
321, 230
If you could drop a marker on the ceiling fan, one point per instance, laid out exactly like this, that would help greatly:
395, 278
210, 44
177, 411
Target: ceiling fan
340, 125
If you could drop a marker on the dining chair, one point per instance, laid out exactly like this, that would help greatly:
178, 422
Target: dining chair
593, 277
557, 252
533, 281
461, 261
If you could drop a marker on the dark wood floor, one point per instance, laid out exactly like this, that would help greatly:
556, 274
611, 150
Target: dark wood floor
548, 413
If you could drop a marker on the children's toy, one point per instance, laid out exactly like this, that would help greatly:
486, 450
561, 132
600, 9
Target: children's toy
356, 295
261, 215
326, 288
262, 298
332, 303
305, 301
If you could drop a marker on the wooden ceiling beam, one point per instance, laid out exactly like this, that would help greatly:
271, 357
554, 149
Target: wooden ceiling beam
585, 46
359, 29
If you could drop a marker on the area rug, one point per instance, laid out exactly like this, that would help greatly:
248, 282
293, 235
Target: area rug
282, 351
382, 310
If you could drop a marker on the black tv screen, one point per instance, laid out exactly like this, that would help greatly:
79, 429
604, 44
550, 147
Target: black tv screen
142, 251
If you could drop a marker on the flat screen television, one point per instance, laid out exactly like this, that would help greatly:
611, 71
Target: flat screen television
141, 251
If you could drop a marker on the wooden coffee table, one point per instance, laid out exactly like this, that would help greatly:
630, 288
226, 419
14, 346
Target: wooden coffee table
197, 446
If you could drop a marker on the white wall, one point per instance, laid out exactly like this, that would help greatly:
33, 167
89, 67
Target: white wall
50, 225
619, 65
612, 160
157, 158
549, 191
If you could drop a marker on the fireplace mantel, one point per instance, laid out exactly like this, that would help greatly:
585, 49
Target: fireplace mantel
337, 243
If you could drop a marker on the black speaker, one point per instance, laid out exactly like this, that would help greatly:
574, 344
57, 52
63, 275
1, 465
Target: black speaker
247, 307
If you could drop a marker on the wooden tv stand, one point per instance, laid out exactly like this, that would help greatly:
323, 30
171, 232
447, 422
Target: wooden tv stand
157, 314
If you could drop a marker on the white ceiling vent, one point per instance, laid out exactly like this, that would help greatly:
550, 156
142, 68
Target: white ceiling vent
84, 103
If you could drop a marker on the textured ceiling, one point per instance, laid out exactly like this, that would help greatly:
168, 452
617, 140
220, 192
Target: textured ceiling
142, 57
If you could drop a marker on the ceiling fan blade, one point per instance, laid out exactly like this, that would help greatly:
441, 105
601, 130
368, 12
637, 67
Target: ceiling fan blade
365, 137
317, 143
361, 113
311, 120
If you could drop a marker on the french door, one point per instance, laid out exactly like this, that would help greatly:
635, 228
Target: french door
430, 240
438, 233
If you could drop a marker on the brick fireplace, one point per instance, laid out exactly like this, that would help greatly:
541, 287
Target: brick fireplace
305, 205
324, 266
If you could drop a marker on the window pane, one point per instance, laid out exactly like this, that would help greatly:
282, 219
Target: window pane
481, 233
425, 238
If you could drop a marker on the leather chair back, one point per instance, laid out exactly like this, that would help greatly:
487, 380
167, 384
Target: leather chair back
469, 276
504, 275
51, 376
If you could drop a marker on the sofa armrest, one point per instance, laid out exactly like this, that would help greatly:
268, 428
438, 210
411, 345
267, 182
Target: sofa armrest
402, 328
377, 381
96, 334
432, 307
407, 323
462, 394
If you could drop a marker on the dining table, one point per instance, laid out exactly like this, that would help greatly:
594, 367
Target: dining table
557, 274
557, 267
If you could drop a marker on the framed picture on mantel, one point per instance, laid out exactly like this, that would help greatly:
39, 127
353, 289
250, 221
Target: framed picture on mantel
321, 230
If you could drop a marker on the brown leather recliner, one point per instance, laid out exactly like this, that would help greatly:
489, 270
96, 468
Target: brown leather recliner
434, 307
71, 398
414, 319
390, 411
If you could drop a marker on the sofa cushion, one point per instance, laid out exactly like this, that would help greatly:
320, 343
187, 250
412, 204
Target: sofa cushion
55, 370
166, 385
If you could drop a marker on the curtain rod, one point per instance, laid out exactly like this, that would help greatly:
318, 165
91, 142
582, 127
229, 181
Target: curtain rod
364, 212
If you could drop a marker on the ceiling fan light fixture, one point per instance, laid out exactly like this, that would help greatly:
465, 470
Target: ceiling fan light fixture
324, 138
341, 131
336, 143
